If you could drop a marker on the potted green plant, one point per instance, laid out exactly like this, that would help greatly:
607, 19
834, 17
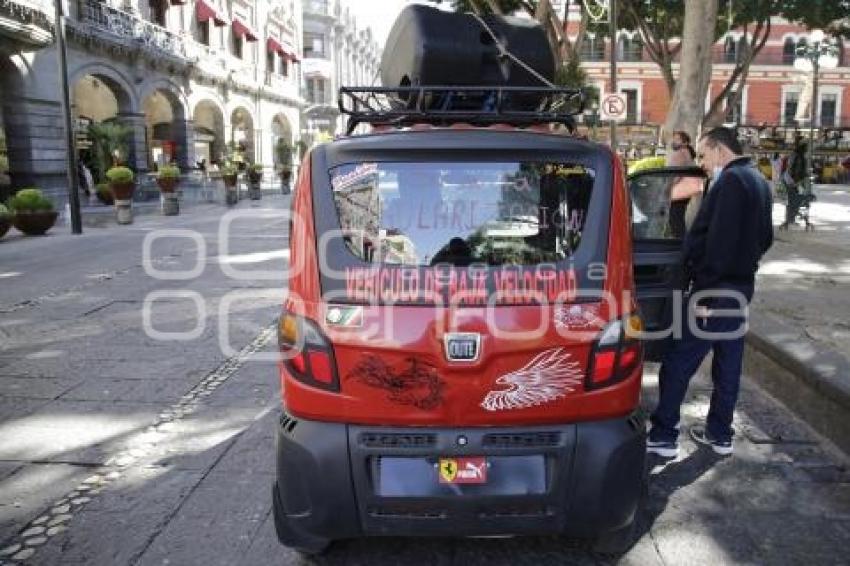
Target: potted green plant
104, 194
122, 184
168, 177
5, 220
230, 176
33, 212
255, 177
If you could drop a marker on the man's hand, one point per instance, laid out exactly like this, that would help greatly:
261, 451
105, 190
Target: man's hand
702, 311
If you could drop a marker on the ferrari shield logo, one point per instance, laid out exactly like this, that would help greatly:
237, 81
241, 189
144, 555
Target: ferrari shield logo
448, 470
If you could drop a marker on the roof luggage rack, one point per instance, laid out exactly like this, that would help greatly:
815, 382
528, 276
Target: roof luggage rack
445, 105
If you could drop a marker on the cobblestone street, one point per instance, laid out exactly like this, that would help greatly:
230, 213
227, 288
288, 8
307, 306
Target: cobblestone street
116, 448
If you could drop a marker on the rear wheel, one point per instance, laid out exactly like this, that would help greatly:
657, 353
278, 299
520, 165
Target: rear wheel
303, 543
618, 542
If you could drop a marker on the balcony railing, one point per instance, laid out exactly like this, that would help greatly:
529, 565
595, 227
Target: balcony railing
770, 58
28, 21
211, 61
125, 25
244, 75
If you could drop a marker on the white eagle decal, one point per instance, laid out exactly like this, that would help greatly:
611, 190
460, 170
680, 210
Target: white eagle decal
549, 376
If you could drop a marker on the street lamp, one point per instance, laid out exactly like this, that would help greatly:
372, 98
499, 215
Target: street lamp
70, 135
819, 53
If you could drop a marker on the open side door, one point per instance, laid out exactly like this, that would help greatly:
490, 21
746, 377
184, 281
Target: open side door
659, 223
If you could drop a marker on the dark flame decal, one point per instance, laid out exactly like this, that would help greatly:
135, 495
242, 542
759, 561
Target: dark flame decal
417, 383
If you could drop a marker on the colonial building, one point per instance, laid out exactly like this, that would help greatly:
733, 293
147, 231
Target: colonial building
771, 94
336, 53
195, 80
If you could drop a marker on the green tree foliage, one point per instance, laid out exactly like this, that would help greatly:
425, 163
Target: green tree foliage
110, 146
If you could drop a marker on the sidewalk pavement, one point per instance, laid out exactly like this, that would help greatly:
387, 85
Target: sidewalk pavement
800, 317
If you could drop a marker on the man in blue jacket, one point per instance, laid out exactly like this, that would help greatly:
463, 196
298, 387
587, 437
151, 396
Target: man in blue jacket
732, 231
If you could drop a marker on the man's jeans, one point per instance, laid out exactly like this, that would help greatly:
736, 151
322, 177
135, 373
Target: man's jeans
684, 358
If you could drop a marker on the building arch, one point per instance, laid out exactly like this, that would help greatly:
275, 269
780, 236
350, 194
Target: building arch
128, 100
281, 135
166, 128
9, 83
100, 95
174, 93
199, 95
242, 134
209, 131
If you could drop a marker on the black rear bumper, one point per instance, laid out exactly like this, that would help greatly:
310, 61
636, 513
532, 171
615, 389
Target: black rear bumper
327, 485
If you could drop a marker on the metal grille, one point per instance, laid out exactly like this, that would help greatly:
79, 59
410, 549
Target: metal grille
523, 440
397, 440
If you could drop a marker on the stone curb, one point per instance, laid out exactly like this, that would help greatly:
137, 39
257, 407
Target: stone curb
811, 379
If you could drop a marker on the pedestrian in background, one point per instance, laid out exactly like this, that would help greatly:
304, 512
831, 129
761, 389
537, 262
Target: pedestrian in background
776, 172
732, 231
793, 179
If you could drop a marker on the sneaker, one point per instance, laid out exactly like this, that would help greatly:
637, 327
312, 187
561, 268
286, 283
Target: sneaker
721, 447
662, 448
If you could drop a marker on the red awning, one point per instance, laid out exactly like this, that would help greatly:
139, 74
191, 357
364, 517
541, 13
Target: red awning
290, 53
282, 49
274, 46
242, 29
205, 11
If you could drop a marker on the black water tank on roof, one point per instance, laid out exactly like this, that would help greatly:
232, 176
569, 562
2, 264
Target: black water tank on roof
427, 46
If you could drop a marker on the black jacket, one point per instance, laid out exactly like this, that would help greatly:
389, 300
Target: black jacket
732, 231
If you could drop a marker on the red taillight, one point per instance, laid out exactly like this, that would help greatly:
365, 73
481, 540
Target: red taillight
603, 366
615, 355
629, 357
320, 366
308, 355
299, 362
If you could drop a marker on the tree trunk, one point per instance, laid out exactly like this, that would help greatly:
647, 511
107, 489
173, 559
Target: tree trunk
688, 106
734, 88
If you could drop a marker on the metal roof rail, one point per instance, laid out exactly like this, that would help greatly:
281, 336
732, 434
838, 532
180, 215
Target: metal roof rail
446, 105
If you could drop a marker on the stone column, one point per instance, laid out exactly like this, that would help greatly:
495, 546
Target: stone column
184, 136
35, 140
138, 155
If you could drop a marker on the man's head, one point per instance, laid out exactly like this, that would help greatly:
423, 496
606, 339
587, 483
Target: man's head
679, 140
717, 148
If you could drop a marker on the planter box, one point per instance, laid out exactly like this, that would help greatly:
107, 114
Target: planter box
170, 204
35, 223
122, 191
229, 180
167, 185
105, 198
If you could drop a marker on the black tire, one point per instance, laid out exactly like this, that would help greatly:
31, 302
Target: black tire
303, 543
616, 543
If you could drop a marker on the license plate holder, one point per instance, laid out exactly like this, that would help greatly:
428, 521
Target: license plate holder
420, 477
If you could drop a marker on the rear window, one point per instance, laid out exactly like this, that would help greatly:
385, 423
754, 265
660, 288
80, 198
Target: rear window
420, 214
